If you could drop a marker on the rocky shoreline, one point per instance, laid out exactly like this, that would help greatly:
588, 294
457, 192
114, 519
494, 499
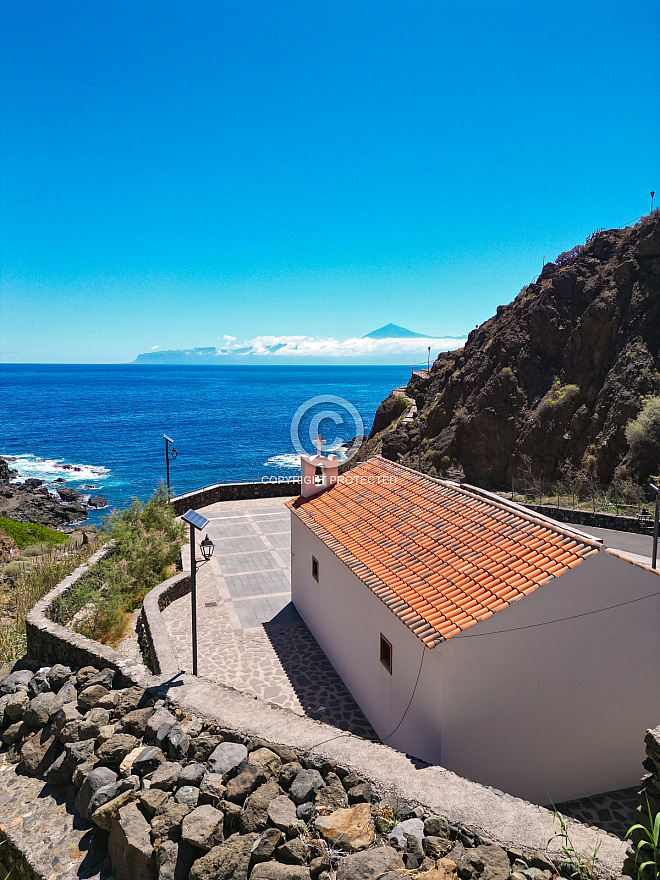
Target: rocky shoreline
32, 502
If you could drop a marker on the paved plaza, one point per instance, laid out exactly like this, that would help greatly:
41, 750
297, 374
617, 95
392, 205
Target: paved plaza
249, 634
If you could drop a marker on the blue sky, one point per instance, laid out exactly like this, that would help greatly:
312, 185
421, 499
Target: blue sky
176, 172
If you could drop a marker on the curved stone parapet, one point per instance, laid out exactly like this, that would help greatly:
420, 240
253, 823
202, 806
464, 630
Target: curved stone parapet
162, 655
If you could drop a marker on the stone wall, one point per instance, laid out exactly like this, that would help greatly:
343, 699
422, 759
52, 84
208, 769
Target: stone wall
587, 518
49, 643
649, 800
161, 654
233, 492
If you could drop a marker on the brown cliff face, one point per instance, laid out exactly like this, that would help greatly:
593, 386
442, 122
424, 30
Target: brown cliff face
552, 378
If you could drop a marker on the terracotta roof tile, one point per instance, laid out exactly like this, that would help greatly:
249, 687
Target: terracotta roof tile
440, 556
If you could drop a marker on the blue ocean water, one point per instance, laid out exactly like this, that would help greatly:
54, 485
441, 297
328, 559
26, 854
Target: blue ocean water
229, 423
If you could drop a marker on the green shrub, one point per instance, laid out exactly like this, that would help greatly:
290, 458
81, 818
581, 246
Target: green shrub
644, 431
146, 540
29, 533
39, 549
559, 397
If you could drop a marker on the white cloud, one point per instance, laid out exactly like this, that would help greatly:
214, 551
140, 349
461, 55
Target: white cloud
154, 347
327, 347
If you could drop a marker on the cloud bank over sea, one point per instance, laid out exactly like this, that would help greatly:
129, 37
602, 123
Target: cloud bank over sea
309, 349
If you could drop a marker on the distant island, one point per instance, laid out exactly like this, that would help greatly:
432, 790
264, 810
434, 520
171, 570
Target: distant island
390, 344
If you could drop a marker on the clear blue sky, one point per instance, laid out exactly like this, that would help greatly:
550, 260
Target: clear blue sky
176, 171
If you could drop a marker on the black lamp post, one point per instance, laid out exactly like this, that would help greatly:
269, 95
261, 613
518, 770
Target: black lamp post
655, 524
168, 453
199, 522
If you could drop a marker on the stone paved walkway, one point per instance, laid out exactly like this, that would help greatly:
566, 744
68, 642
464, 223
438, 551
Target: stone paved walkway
249, 634
613, 811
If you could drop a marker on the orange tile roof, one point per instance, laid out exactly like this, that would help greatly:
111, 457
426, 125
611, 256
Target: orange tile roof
441, 556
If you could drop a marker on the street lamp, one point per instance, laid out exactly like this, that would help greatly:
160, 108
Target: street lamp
168, 453
207, 548
655, 524
196, 521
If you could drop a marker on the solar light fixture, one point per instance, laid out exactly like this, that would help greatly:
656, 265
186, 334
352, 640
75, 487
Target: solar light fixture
655, 524
196, 522
207, 548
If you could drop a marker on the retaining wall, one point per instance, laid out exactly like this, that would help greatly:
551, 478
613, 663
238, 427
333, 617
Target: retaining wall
232, 492
49, 643
587, 518
162, 656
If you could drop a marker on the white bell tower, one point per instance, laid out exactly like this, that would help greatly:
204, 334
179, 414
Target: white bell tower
310, 484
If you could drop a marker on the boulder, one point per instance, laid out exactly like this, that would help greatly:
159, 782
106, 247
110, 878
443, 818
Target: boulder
66, 694
293, 852
174, 860
130, 699
104, 795
16, 705
58, 675
116, 748
437, 847
436, 826
192, 774
94, 720
178, 744
226, 757
91, 695
167, 821
131, 853
361, 793
348, 829
244, 782
166, 776
255, 814
135, 722
68, 494
288, 773
229, 861
38, 684
370, 864
490, 862
38, 711
154, 721
282, 813
97, 501
15, 733
211, 789
265, 844
411, 826
97, 778
64, 715
149, 759
105, 815
106, 677
278, 871
269, 762
188, 795
305, 786
152, 799
332, 797
202, 828
39, 751
18, 680
126, 766
201, 747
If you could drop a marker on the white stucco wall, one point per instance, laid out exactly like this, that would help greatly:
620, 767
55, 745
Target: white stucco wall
553, 710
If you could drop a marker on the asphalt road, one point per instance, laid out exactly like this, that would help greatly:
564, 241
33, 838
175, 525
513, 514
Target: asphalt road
630, 542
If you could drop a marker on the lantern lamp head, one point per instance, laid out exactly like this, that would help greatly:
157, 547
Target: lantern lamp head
207, 547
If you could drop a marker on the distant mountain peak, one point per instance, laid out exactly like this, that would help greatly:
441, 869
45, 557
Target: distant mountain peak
393, 331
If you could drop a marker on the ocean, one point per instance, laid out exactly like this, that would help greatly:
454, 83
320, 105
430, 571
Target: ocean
228, 423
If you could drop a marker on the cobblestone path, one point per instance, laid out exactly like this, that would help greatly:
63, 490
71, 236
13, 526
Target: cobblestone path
249, 635
613, 811
39, 819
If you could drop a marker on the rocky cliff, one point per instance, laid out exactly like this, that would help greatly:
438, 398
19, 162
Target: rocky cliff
547, 385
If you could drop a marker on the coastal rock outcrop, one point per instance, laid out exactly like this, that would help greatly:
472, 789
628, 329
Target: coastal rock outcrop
546, 386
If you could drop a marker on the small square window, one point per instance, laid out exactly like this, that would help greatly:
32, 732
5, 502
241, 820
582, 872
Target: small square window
315, 568
386, 653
